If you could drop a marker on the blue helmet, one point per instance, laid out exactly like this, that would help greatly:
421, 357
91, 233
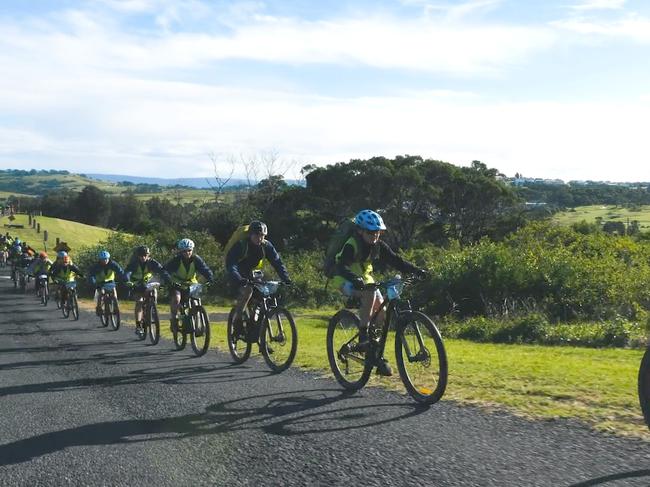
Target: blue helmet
104, 255
17, 241
185, 244
369, 220
61, 253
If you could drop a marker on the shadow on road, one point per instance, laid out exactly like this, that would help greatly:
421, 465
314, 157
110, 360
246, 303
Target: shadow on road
286, 414
614, 477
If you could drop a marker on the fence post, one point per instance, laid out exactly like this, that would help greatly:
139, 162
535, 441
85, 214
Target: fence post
38, 228
29, 219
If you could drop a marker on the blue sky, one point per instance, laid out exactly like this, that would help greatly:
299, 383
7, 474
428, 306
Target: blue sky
555, 88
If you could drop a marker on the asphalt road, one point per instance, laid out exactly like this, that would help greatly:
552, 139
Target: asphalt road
82, 405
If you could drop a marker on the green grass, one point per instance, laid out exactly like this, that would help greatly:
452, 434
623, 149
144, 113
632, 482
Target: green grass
75, 234
606, 212
594, 386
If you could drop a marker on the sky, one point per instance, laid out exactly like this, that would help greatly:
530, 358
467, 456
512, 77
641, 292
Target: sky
190, 88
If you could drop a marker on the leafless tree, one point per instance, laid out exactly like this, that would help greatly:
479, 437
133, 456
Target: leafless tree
220, 179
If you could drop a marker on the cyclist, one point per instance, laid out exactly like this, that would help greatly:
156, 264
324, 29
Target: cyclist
103, 272
25, 261
354, 266
62, 271
246, 256
139, 271
183, 271
39, 266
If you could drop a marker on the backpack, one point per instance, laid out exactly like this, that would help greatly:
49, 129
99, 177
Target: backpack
343, 232
238, 235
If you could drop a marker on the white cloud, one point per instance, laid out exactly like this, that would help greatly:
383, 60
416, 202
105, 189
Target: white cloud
631, 27
380, 42
599, 5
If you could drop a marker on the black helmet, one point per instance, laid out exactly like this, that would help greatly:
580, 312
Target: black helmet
257, 226
142, 251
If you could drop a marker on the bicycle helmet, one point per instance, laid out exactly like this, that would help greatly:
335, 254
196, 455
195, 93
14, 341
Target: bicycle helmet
142, 251
62, 254
257, 226
104, 255
185, 244
42, 255
369, 220
17, 241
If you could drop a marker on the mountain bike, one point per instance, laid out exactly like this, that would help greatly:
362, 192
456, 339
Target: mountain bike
644, 386
266, 323
151, 323
192, 320
70, 303
419, 349
14, 275
109, 307
43, 288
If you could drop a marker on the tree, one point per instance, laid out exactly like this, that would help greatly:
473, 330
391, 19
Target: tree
93, 207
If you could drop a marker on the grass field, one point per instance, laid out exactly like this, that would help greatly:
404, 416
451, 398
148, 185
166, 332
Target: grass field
75, 234
594, 386
607, 213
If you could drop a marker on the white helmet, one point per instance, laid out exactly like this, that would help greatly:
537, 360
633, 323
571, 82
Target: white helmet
185, 244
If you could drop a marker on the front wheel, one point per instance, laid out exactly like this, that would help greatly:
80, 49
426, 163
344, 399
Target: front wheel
644, 386
421, 358
45, 293
279, 339
349, 364
65, 306
153, 326
75, 306
114, 314
180, 338
238, 343
200, 331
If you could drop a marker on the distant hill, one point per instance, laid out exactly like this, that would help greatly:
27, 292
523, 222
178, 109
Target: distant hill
191, 182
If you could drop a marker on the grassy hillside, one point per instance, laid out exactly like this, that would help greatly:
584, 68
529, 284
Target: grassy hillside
607, 213
75, 234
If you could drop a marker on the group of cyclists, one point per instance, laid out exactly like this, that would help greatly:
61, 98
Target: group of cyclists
354, 271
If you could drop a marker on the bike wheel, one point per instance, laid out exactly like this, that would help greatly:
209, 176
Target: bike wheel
23, 283
180, 338
279, 340
142, 333
200, 331
421, 358
114, 316
238, 344
65, 307
45, 294
75, 306
105, 311
153, 327
350, 367
644, 386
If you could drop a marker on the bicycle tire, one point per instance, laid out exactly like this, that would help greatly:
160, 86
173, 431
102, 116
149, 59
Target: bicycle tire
114, 314
342, 354
180, 338
153, 327
424, 373
105, 311
239, 355
200, 323
273, 339
644, 386
45, 294
75, 306
65, 307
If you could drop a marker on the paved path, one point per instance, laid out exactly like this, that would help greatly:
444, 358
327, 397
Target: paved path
82, 405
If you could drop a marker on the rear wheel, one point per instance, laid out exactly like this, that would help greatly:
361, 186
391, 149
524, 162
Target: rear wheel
238, 344
644, 386
279, 339
153, 327
200, 331
114, 315
421, 358
349, 365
